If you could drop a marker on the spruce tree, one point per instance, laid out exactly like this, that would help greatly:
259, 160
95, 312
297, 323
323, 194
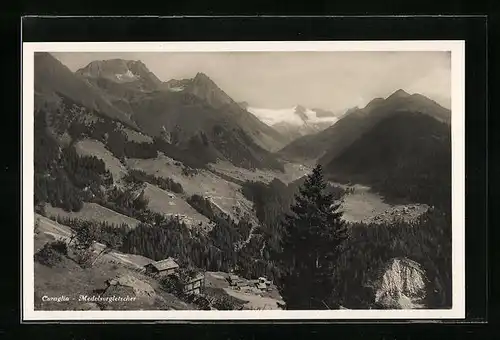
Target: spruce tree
312, 233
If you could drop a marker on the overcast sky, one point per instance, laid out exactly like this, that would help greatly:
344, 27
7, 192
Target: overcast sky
327, 80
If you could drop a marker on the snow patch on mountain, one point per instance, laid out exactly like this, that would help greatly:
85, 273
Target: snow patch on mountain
290, 115
176, 89
127, 76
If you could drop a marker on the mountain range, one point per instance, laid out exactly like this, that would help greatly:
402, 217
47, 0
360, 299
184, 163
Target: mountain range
324, 146
296, 121
405, 156
191, 114
194, 121
53, 79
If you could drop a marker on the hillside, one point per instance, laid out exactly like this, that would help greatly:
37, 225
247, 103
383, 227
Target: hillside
53, 79
329, 143
404, 156
188, 124
189, 114
62, 276
204, 88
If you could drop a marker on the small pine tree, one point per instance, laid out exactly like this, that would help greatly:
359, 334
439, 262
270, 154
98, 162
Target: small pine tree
312, 234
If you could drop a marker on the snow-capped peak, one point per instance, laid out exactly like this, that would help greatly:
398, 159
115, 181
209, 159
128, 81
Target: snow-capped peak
297, 115
295, 121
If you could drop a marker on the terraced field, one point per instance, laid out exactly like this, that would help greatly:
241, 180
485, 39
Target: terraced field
67, 278
93, 212
224, 194
171, 204
91, 147
292, 172
364, 205
135, 136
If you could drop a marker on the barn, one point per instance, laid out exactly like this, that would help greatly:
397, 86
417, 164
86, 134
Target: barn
164, 267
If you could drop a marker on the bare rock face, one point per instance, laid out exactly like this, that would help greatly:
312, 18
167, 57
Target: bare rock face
401, 285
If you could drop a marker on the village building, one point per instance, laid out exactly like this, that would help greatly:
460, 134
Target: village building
263, 284
264, 280
195, 285
233, 280
164, 267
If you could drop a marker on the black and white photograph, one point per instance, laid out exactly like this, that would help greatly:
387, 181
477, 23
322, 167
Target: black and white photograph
243, 180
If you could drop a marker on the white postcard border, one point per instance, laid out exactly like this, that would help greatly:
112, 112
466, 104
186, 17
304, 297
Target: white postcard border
457, 49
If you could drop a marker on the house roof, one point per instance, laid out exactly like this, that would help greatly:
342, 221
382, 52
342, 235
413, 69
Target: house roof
165, 264
261, 286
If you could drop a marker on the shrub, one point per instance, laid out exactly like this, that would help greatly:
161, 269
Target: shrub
37, 226
83, 257
171, 284
139, 177
51, 253
225, 303
40, 208
60, 246
188, 172
202, 302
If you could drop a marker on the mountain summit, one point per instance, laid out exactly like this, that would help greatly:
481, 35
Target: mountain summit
121, 71
190, 117
202, 87
399, 94
329, 143
205, 88
53, 80
296, 121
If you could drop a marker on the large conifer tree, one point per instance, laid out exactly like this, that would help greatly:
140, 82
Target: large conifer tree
312, 234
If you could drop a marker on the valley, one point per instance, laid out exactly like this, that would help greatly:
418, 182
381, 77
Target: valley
363, 205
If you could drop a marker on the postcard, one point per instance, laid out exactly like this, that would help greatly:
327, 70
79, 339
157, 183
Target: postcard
279, 180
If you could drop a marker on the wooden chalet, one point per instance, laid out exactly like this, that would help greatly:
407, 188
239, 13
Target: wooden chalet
164, 267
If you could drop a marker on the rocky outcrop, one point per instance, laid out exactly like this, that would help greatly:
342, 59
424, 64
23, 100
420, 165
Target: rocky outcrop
127, 292
401, 284
139, 287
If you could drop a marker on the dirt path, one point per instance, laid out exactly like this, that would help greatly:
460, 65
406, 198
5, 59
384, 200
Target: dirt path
47, 226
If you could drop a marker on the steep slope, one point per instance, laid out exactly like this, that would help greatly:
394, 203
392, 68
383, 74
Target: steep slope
204, 88
188, 124
405, 156
122, 71
326, 145
127, 83
192, 117
53, 79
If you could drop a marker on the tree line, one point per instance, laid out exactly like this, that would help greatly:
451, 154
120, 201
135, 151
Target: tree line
318, 261
291, 228
62, 177
139, 176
